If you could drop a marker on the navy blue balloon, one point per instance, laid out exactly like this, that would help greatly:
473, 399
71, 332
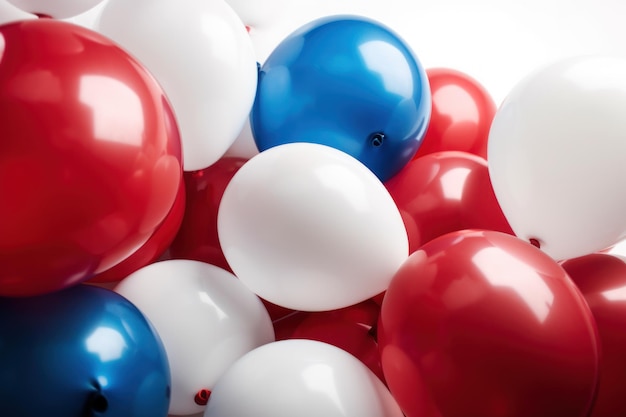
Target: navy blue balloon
347, 82
81, 352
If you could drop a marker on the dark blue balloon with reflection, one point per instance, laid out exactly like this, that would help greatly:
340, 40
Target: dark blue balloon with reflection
347, 82
81, 352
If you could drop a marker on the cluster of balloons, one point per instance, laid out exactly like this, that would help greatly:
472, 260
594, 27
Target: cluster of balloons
394, 244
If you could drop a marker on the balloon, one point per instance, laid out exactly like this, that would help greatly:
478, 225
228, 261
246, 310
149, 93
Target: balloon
58, 9
443, 192
462, 112
602, 280
82, 351
347, 82
555, 156
197, 237
350, 329
206, 318
308, 227
156, 245
202, 55
90, 160
492, 322
300, 377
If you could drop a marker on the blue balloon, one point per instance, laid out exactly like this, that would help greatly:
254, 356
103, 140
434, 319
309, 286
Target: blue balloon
81, 352
347, 82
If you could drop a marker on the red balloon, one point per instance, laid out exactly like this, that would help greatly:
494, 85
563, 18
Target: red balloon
602, 280
90, 161
350, 329
444, 192
481, 323
462, 112
197, 237
150, 251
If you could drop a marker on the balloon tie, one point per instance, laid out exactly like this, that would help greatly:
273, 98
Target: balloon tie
96, 403
202, 397
377, 139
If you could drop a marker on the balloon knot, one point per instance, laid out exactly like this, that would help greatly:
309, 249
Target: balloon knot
202, 397
535, 242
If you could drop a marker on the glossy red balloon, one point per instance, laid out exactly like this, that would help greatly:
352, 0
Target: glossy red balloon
90, 160
462, 112
483, 324
444, 192
602, 280
150, 251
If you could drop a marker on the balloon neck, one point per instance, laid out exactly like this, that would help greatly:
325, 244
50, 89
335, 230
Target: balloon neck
535, 242
202, 397
43, 16
377, 139
97, 403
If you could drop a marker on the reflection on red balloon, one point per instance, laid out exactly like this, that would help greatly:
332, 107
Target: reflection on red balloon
602, 280
481, 323
462, 112
444, 192
90, 161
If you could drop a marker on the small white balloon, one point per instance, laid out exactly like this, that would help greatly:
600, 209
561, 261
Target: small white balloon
201, 54
303, 378
308, 227
556, 153
58, 9
206, 318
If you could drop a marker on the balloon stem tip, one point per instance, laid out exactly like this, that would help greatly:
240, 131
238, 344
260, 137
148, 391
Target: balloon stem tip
202, 397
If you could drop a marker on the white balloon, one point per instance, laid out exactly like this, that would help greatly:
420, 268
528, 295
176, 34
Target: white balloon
308, 227
58, 9
557, 156
202, 55
9, 13
303, 378
205, 317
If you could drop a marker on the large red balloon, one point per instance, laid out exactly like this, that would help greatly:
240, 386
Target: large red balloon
462, 112
444, 192
602, 280
483, 324
90, 160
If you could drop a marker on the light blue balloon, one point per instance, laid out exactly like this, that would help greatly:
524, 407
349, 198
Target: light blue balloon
81, 352
348, 82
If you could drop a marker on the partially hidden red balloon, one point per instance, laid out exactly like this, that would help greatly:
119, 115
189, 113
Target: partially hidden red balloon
90, 161
351, 329
483, 324
445, 192
602, 280
462, 112
197, 237
152, 250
